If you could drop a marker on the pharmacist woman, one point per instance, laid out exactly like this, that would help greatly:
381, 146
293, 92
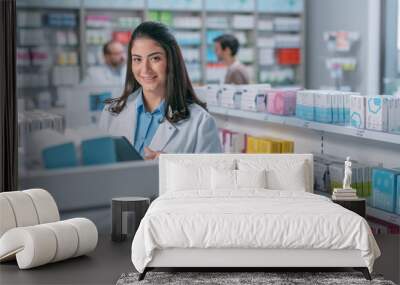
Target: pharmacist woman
158, 111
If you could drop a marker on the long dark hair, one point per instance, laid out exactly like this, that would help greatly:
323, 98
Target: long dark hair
180, 93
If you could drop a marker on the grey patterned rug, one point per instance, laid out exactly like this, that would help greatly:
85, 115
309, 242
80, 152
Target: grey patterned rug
229, 278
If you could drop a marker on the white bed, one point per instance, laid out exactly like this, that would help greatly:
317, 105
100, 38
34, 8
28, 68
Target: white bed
201, 219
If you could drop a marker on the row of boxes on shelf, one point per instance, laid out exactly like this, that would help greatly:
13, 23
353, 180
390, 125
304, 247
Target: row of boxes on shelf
98, 36
329, 174
42, 56
379, 113
35, 19
105, 21
59, 75
280, 24
234, 142
385, 190
276, 6
277, 76
252, 97
279, 41
49, 149
242, 36
28, 37
283, 56
381, 186
324, 106
101, 36
31, 121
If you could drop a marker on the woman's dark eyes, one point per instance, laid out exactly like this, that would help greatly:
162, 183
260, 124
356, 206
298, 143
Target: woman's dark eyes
152, 59
155, 58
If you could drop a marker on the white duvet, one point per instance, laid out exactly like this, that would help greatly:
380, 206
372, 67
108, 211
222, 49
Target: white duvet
250, 219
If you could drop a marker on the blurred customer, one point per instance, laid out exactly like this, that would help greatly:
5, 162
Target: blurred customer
226, 47
113, 71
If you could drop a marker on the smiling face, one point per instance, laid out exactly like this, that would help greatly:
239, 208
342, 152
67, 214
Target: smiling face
149, 65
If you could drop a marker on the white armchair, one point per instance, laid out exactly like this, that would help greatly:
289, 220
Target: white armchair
31, 230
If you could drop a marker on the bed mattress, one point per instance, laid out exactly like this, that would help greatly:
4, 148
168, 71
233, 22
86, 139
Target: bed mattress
251, 219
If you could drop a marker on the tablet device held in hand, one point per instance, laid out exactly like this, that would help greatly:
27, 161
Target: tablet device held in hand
108, 149
126, 151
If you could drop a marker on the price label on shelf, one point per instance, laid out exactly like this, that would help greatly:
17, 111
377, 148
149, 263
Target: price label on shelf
360, 133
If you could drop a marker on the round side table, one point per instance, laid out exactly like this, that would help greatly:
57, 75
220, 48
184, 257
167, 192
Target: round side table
127, 212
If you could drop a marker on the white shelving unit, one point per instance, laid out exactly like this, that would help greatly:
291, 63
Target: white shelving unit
234, 17
388, 143
296, 122
106, 20
280, 31
185, 18
196, 55
48, 46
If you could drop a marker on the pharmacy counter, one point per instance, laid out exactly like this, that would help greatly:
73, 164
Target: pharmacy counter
87, 191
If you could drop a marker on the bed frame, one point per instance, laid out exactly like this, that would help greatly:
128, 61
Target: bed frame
241, 259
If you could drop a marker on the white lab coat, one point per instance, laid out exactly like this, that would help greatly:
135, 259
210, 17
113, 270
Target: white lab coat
104, 75
198, 134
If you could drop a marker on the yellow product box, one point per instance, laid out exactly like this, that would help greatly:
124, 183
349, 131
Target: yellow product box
262, 145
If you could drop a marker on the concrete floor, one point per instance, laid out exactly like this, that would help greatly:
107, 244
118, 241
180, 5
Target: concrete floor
110, 260
389, 262
102, 266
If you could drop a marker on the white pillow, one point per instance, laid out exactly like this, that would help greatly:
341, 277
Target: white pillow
186, 175
225, 179
251, 178
282, 174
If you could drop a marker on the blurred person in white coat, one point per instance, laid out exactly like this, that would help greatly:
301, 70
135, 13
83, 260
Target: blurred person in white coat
114, 69
158, 111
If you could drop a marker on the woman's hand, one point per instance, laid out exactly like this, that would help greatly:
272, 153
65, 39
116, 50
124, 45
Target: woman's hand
150, 154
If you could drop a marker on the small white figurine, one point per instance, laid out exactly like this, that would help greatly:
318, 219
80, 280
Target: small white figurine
347, 174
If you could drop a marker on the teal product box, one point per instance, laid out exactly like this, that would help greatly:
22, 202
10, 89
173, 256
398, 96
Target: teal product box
305, 105
107, 150
357, 111
59, 156
346, 109
377, 113
335, 108
323, 107
340, 108
384, 183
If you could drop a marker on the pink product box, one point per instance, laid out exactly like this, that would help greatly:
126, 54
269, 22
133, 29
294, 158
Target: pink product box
281, 102
98, 18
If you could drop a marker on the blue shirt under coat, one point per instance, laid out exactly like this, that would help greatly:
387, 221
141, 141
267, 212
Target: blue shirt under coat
147, 124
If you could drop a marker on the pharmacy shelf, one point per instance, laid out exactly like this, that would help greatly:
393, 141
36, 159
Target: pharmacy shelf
296, 122
64, 4
383, 215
